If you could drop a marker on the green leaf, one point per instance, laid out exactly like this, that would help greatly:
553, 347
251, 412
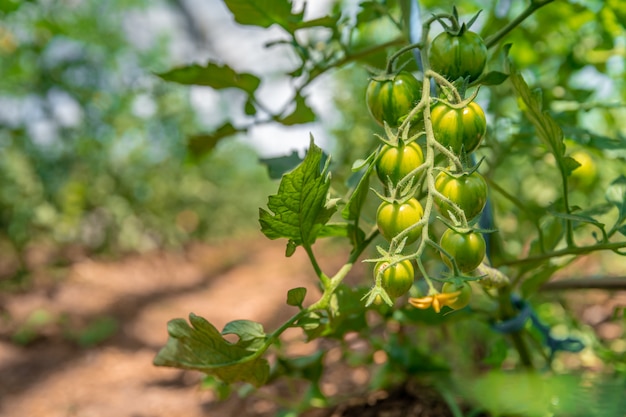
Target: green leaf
570, 164
9, 6
291, 248
578, 218
370, 10
202, 348
251, 334
301, 114
213, 75
202, 144
348, 312
295, 296
313, 325
493, 78
280, 165
539, 277
335, 230
497, 351
616, 195
324, 21
300, 209
265, 13
548, 131
352, 209
249, 107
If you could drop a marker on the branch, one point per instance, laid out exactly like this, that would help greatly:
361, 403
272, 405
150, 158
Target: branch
534, 6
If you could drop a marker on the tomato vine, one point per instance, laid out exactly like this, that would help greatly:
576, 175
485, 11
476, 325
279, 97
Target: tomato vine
429, 181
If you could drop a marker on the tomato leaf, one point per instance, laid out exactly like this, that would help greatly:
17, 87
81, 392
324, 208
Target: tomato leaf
593, 140
301, 114
251, 334
493, 78
295, 296
335, 230
201, 144
301, 207
213, 75
347, 312
324, 21
548, 131
277, 166
616, 195
202, 347
249, 107
263, 13
352, 209
570, 164
370, 10
578, 218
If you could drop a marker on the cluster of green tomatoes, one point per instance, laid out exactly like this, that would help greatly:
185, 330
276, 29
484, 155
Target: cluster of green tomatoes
460, 194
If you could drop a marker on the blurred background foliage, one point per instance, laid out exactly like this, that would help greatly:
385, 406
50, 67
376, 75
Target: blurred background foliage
92, 144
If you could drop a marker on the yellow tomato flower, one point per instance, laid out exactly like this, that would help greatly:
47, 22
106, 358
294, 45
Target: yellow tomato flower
436, 301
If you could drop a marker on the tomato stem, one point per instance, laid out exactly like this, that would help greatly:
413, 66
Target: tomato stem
532, 7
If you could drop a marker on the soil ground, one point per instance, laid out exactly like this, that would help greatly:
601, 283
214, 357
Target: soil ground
59, 372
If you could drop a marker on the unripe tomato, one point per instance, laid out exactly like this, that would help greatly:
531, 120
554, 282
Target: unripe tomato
458, 56
469, 192
459, 128
392, 99
397, 162
463, 299
585, 175
393, 218
467, 249
396, 279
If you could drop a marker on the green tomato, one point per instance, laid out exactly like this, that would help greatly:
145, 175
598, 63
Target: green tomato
397, 162
393, 218
463, 298
459, 129
390, 100
396, 279
469, 192
467, 249
458, 56
586, 174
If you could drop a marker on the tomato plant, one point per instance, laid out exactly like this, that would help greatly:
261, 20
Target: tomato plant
467, 191
459, 129
463, 298
393, 218
458, 55
390, 98
396, 162
396, 278
535, 228
468, 249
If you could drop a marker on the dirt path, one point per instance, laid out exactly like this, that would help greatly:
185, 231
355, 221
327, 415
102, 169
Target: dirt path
132, 299
53, 377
